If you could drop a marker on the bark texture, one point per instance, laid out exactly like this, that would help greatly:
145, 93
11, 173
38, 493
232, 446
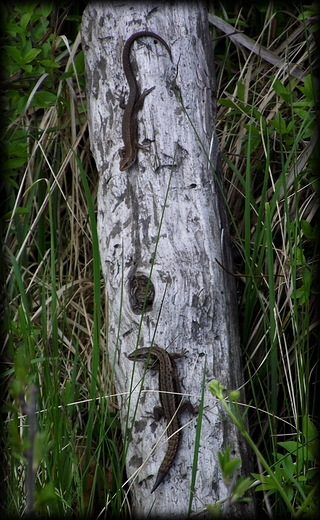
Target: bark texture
165, 219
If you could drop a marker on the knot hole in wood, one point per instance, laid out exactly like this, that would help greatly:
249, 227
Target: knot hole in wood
139, 292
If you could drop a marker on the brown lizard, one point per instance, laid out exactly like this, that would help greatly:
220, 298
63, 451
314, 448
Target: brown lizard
128, 153
170, 398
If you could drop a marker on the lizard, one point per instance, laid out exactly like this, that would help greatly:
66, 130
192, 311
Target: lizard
135, 101
170, 397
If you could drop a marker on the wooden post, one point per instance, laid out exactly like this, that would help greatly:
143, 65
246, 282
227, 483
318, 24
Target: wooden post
164, 219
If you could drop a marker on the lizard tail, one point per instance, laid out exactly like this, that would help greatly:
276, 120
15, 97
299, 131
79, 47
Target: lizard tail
159, 479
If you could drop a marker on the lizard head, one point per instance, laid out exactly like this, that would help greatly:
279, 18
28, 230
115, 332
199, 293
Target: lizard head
127, 161
144, 354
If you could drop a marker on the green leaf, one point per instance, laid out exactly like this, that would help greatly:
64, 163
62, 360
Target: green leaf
312, 10
307, 279
9, 179
312, 473
31, 55
279, 124
30, 7
27, 68
39, 449
79, 62
241, 487
289, 492
303, 114
279, 471
255, 140
236, 20
231, 467
215, 510
227, 103
289, 465
46, 9
21, 366
15, 148
12, 164
46, 495
13, 433
314, 28
240, 90
291, 446
300, 258
40, 29
264, 479
18, 211
309, 89
14, 29
303, 104
303, 293
281, 90
14, 53
223, 457
238, 108
310, 434
22, 104
43, 99
66, 75
267, 486
25, 19
228, 466
50, 63
298, 450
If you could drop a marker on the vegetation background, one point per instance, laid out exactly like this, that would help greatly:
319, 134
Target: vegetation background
59, 408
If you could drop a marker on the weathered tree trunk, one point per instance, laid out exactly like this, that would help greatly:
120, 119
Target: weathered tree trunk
164, 218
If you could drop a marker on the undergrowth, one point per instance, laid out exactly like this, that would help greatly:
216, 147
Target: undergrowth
268, 135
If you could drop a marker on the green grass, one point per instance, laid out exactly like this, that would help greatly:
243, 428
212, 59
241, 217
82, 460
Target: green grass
274, 194
55, 314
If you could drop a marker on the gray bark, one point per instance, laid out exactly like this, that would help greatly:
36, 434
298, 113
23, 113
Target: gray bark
177, 240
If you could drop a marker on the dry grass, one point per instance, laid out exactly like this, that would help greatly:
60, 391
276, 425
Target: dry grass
290, 187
